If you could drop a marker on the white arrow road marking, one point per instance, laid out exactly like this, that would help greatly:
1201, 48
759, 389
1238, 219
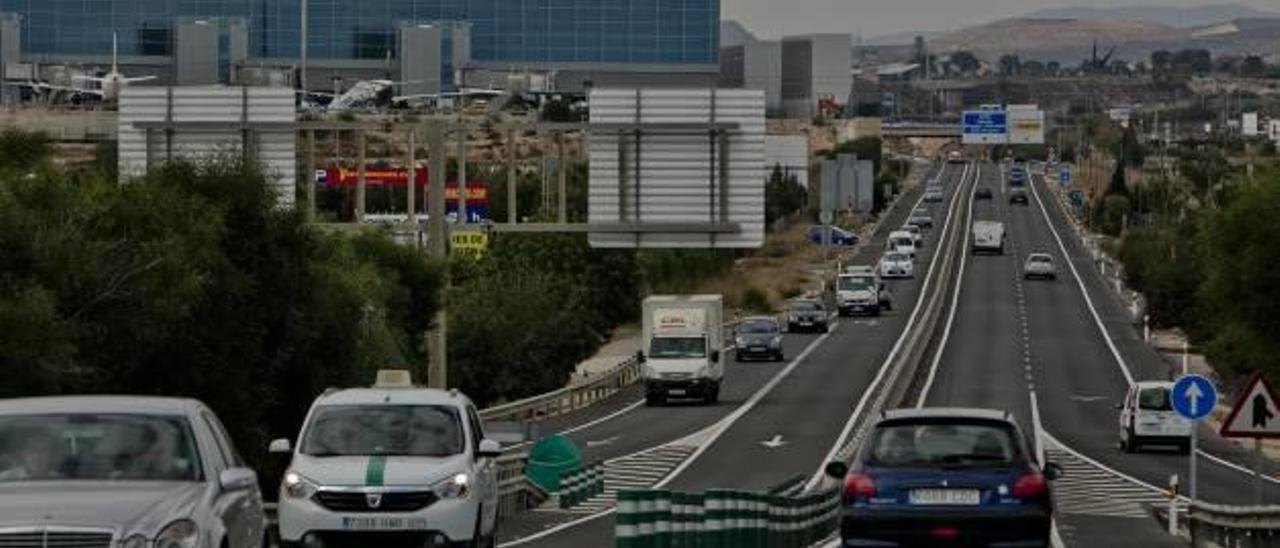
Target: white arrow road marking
774, 443
1087, 399
606, 441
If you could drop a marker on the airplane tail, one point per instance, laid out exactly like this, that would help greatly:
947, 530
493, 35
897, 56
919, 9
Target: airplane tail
115, 53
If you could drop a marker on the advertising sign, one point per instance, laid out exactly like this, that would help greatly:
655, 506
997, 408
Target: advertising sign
468, 243
1026, 126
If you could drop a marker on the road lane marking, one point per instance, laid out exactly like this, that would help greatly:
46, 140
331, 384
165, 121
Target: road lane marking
955, 304
897, 345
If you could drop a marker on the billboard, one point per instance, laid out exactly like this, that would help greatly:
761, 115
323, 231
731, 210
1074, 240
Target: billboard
985, 127
1026, 126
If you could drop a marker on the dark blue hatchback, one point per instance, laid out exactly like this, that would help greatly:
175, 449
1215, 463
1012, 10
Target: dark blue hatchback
946, 477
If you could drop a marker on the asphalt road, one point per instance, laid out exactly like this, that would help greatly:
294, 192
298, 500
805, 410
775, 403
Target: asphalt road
1012, 337
808, 408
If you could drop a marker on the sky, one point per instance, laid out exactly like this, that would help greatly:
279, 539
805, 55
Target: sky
774, 18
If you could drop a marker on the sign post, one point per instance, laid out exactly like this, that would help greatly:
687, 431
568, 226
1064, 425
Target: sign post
1193, 397
1254, 415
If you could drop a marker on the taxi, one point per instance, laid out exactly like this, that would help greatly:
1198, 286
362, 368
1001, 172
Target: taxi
389, 465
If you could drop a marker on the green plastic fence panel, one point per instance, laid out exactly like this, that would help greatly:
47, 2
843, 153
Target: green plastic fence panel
550, 459
626, 531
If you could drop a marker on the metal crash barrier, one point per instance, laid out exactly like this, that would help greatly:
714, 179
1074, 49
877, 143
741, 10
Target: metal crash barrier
722, 518
1213, 525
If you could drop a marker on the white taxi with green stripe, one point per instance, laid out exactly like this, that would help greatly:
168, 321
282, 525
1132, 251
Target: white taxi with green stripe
391, 463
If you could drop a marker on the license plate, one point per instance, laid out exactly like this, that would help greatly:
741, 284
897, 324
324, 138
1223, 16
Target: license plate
757, 349
383, 523
944, 496
806, 323
676, 392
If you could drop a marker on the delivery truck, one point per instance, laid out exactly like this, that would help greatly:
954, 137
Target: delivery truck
682, 337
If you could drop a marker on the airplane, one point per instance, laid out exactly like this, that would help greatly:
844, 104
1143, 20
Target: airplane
109, 85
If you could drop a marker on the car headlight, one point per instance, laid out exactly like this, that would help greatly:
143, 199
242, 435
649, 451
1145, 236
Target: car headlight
740, 341
776, 342
454, 487
297, 486
179, 534
135, 541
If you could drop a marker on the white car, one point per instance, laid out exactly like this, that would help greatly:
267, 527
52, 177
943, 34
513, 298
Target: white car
901, 241
123, 472
390, 462
1147, 417
897, 265
1039, 265
915, 233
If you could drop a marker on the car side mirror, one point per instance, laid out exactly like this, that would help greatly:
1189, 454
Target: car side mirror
640, 357
1052, 471
715, 356
237, 479
280, 447
489, 449
836, 469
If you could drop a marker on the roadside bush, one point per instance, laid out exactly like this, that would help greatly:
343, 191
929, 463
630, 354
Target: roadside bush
755, 301
1162, 264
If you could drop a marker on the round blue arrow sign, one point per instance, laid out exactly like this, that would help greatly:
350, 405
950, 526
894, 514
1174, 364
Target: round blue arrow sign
1193, 397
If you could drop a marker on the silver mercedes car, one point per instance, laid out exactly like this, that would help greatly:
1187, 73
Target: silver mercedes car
123, 472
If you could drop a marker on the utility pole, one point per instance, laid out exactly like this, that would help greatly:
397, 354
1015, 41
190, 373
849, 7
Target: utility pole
437, 247
302, 48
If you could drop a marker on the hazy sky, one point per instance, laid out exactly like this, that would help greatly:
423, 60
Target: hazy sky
773, 18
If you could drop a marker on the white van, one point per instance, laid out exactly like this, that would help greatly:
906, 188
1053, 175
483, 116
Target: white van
988, 237
901, 241
1147, 417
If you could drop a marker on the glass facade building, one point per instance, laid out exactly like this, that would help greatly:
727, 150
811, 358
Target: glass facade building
502, 31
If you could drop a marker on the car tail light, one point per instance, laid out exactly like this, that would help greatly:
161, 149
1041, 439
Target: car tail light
1030, 486
858, 485
945, 532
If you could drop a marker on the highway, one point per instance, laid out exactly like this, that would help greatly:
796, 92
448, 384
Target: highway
1016, 344
801, 410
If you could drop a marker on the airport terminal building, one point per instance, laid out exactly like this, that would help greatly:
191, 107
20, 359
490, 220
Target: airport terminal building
466, 42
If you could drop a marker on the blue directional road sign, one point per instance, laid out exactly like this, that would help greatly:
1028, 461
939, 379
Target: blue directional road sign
1193, 397
985, 127
1064, 176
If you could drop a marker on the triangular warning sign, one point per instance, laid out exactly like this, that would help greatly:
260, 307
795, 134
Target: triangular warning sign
1255, 413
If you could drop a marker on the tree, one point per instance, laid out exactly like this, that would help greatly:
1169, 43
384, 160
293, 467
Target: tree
1205, 168
1253, 66
783, 196
1162, 62
1241, 293
965, 62
866, 148
1053, 68
1193, 61
1009, 65
1033, 68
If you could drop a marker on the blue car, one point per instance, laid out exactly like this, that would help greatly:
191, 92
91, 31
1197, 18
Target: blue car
945, 477
1017, 177
839, 236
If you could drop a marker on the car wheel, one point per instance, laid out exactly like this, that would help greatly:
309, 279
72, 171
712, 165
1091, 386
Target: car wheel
1130, 442
779, 357
1185, 447
712, 396
652, 400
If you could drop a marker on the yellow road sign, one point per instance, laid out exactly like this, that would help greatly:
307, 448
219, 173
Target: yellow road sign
468, 243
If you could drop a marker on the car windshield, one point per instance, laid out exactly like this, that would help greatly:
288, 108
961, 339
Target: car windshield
758, 326
1154, 399
903, 241
896, 257
805, 306
1041, 259
855, 283
97, 447
393, 430
943, 443
678, 347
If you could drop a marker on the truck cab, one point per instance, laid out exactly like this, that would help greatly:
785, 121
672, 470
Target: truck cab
988, 237
682, 342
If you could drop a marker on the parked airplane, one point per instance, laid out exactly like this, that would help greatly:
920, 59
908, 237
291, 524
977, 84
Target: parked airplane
109, 85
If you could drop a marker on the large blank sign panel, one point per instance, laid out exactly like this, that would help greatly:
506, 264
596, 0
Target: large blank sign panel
660, 180
222, 111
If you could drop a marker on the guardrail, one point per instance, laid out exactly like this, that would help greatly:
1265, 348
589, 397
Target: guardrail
516, 493
903, 371
569, 398
1216, 525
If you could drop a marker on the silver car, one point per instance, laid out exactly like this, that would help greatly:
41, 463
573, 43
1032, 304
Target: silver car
1039, 265
123, 472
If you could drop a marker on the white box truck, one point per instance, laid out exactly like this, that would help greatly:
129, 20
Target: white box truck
682, 337
988, 237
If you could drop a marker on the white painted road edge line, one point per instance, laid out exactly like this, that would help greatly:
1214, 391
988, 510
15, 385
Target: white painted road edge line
897, 346
715, 431
629, 408
955, 301
1088, 301
1106, 336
